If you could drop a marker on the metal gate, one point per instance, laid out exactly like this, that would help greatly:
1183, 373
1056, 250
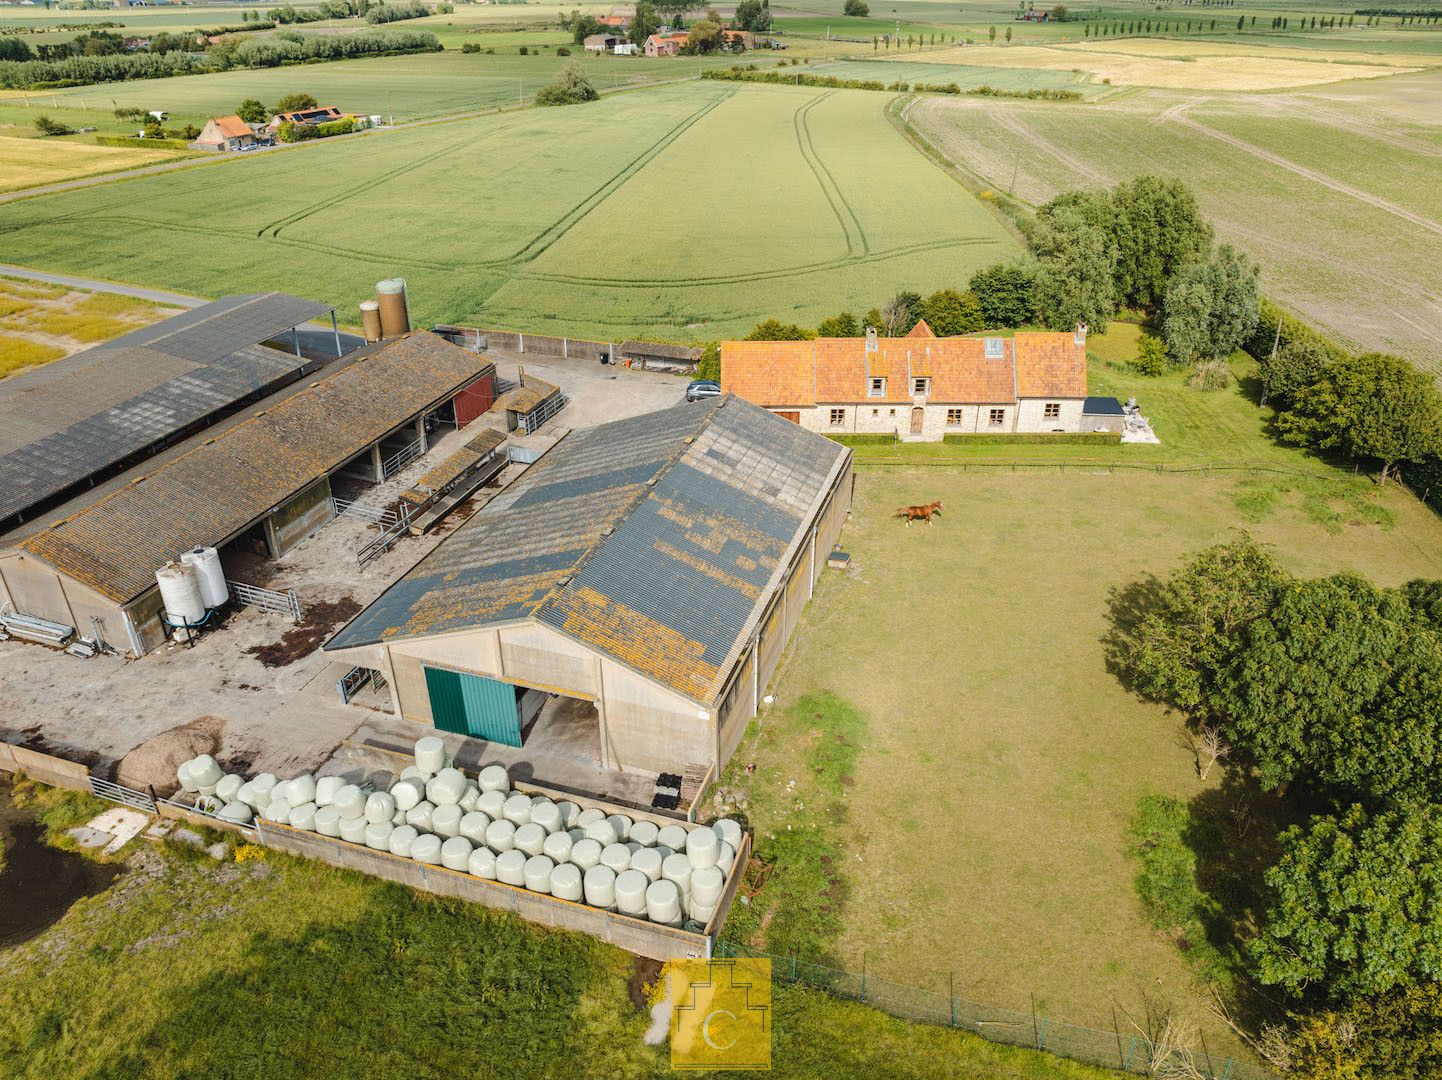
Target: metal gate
543, 412
267, 599
125, 796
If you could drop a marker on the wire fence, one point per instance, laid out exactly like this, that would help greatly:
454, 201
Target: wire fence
1128, 1051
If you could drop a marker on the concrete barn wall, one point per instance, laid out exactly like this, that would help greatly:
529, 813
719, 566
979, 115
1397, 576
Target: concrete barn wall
1030, 414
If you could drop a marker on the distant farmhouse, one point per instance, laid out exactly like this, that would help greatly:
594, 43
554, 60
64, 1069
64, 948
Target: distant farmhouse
920, 386
601, 43
325, 114
226, 133
667, 43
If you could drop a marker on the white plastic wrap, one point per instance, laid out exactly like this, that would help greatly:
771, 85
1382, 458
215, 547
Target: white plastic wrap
205, 773
537, 873
426, 848
500, 836
673, 837
228, 787
325, 789
446, 787
728, 831
530, 838
511, 867
470, 798
706, 886
236, 811
185, 774
350, 801
663, 903
546, 814
482, 863
616, 856
586, 853
647, 861
401, 839
303, 817
430, 754
381, 806
622, 824
518, 810
353, 830
602, 831
569, 813
566, 882
265, 784
300, 790
420, 816
278, 809
702, 847
677, 869
492, 804
631, 886
586, 817
599, 884
327, 821
725, 858
558, 847
456, 853
494, 778
644, 833
446, 821
473, 827
378, 835
398, 818
408, 791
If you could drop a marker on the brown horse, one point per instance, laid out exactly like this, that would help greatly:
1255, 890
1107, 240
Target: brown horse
919, 513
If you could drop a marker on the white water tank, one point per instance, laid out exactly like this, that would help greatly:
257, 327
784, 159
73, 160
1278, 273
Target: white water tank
180, 592
208, 572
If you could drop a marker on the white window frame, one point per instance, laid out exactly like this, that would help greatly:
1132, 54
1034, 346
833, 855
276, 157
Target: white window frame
837, 418
955, 417
876, 386
996, 418
920, 386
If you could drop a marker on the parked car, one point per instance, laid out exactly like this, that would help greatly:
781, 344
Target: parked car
702, 388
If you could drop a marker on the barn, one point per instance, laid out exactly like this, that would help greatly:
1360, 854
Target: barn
251, 486
627, 599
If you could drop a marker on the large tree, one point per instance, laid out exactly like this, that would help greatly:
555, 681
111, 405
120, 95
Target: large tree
644, 23
1211, 307
1076, 259
1370, 406
1005, 294
754, 15
1340, 681
1172, 641
950, 313
1295, 366
1356, 905
1158, 230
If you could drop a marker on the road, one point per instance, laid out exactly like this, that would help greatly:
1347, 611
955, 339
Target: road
159, 296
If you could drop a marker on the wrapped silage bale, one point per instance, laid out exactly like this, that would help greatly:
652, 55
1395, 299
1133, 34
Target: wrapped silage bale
706, 886
586, 817
546, 814
378, 835
725, 858
185, 773
208, 804
728, 832
446, 821
494, 778
647, 861
702, 847
408, 791
616, 856
327, 821
263, 788
537, 873
672, 836
301, 790
622, 824
631, 886
500, 836
518, 810
430, 755
470, 798
325, 789
586, 853
398, 818
482, 863
278, 810
576, 835
446, 787
558, 847
353, 829
602, 831
492, 804
644, 833
401, 839
456, 853
410, 772
570, 812
351, 802
420, 816
566, 882
229, 785
677, 870
235, 811
473, 827
530, 838
511, 867
303, 817
700, 914
205, 773
426, 848
599, 885
663, 903
251, 795
380, 806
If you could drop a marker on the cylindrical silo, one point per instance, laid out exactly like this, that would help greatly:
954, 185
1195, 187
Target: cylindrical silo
371, 320
208, 572
395, 315
180, 594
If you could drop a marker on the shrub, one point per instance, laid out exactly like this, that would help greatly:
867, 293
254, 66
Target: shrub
570, 88
47, 126
864, 440
1022, 438
561, 50
470, 47
856, 8
1151, 356
524, 51
709, 366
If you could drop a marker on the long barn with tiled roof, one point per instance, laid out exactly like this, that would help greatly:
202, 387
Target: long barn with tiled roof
916, 387
652, 567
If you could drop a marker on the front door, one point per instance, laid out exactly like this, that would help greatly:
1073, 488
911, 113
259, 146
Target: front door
473, 705
917, 415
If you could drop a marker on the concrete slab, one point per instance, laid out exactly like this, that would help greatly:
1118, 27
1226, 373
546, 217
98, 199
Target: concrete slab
111, 830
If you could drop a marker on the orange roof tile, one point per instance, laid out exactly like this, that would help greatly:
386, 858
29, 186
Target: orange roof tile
773, 373
232, 127
921, 329
1051, 365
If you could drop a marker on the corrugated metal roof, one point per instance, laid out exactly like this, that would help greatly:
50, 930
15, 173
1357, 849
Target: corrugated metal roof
217, 487
81, 415
653, 540
525, 398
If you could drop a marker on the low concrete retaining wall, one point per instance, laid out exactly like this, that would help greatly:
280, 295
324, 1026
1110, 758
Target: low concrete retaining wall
46, 768
541, 345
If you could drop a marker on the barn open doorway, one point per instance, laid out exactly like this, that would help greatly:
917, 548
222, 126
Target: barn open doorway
512, 715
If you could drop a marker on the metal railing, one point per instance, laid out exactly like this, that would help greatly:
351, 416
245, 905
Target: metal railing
287, 603
543, 412
350, 508
125, 796
356, 680
402, 457
384, 541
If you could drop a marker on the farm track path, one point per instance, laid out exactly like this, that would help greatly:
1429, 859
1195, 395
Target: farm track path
159, 296
1309, 174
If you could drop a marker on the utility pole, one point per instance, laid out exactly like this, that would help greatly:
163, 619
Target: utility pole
390, 109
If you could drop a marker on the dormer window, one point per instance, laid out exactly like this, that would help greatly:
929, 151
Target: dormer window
876, 388
921, 387
994, 348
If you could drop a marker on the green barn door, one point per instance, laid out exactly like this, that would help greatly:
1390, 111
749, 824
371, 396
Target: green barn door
472, 705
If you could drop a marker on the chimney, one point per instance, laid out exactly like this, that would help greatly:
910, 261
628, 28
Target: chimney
871, 339
1081, 335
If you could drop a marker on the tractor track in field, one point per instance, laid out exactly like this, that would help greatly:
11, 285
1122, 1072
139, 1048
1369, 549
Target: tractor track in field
825, 180
1008, 119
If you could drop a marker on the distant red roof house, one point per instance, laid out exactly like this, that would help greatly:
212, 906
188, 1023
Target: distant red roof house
615, 22
668, 44
322, 115
919, 386
226, 133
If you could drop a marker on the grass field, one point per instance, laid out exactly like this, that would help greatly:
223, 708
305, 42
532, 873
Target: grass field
969, 77
279, 968
1328, 188
982, 831
40, 323
31, 162
687, 211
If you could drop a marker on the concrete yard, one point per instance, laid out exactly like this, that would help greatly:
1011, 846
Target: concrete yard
259, 685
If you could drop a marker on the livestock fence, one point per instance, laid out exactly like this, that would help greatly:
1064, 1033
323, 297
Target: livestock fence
286, 603
1125, 1048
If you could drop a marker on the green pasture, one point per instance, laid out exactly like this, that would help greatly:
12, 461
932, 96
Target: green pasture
1299, 192
983, 826
966, 77
691, 211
